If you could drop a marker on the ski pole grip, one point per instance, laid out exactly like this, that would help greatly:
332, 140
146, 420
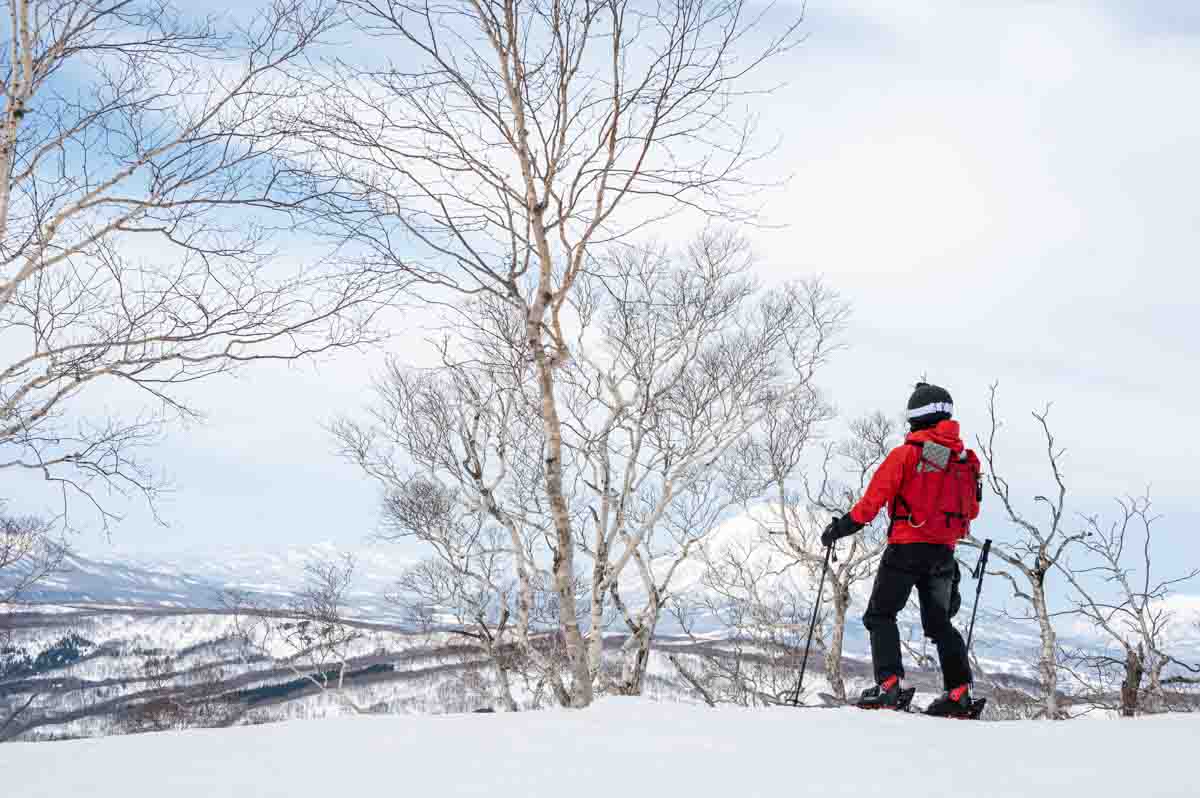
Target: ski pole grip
983, 558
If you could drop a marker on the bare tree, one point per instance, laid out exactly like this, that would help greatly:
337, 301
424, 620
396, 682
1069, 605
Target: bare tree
1125, 602
678, 359
1035, 550
458, 454
8, 727
781, 552
762, 604
795, 529
1186, 668
140, 158
695, 513
1182, 684
508, 140
309, 635
468, 590
29, 552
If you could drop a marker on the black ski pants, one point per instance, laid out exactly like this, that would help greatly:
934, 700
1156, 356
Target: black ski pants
932, 570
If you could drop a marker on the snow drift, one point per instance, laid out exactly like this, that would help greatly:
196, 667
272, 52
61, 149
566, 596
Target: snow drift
627, 747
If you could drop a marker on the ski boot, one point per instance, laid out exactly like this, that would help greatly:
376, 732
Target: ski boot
885, 695
955, 703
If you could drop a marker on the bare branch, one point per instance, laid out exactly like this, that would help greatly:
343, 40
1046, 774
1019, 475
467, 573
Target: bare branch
141, 165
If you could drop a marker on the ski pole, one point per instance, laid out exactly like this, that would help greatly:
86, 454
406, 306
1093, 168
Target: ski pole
978, 574
811, 626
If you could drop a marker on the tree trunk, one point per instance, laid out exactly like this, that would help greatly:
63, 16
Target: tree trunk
833, 653
525, 608
595, 648
1131, 687
1047, 659
564, 551
1154, 700
504, 688
637, 657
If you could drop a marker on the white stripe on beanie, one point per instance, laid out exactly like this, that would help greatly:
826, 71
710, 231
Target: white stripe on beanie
930, 409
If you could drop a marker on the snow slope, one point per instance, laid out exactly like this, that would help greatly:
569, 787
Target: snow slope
625, 747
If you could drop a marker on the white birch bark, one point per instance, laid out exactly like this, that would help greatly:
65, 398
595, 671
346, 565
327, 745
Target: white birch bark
1047, 653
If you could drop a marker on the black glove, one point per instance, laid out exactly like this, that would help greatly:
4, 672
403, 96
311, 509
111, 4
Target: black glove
839, 528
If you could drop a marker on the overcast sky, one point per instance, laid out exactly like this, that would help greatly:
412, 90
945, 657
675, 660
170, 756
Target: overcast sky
1003, 193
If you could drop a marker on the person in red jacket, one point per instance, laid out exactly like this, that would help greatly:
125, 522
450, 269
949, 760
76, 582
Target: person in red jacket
931, 488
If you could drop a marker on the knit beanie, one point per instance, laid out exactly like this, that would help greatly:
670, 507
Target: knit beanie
928, 405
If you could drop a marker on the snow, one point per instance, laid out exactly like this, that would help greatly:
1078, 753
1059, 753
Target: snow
624, 746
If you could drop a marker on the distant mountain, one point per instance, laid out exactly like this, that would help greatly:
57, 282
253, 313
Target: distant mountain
195, 579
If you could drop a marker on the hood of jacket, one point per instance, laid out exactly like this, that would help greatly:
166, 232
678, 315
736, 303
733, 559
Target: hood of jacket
946, 433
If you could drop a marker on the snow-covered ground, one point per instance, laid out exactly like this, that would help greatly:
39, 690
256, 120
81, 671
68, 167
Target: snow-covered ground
629, 747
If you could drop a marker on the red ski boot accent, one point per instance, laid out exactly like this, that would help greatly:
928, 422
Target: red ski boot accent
885, 695
954, 703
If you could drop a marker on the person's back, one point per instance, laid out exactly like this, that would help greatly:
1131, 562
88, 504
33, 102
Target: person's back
930, 485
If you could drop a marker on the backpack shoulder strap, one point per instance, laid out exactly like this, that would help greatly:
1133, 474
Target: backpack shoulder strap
899, 499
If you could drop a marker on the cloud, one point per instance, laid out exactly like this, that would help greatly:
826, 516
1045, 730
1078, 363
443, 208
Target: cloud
1005, 191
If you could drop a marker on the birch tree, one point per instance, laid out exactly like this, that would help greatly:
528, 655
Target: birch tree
29, 552
679, 358
1126, 602
781, 554
1035, 549
762, 603
795, 527
308, 635
1187, 675
140, 175
457, 453
469, 602
506, 140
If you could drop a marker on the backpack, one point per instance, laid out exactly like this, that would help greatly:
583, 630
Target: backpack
940, 495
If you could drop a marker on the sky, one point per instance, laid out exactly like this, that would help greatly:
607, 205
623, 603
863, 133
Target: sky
1004, 192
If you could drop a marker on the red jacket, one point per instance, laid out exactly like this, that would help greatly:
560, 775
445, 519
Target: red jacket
899, 469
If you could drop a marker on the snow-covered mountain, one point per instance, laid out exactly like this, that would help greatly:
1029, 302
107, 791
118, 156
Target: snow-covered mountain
195, 579
115, 630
